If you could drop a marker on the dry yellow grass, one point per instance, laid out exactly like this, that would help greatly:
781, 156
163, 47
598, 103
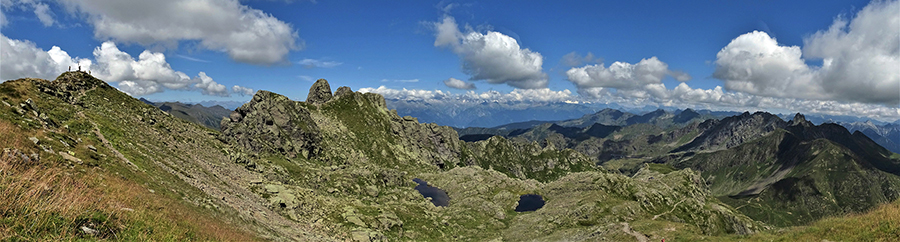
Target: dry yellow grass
39, 201
880, 224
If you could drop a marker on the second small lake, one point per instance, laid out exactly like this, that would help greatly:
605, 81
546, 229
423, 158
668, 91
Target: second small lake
438, 197
530, 202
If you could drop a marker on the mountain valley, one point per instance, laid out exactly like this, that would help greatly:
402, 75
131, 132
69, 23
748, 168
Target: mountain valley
340, 166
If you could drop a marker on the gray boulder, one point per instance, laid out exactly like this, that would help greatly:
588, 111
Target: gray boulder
273, 123
319, 93
342, 91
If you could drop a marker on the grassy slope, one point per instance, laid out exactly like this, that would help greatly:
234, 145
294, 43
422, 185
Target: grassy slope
879, 224
52, 198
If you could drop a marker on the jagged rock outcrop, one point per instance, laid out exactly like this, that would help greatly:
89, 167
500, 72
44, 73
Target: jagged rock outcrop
319, 93
733, 131
441, 140
273, 123
527, 160
799, 119
357, 128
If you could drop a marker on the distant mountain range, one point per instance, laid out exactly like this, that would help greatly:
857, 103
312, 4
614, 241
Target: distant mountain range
776, 171
607, 117
885, 134
840, 119
486, 114
196, 113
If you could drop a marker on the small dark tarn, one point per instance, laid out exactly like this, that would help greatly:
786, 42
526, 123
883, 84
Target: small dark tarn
438, 197
530, 202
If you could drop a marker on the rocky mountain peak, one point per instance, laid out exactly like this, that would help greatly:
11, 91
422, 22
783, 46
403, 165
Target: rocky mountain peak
319, 93
342, 91
78, 80
70, 85
685, 116
734, 130
799, 119
273, 123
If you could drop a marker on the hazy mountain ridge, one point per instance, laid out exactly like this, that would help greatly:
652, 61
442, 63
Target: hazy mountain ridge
485, 113
607, 117
885, 134
209, 116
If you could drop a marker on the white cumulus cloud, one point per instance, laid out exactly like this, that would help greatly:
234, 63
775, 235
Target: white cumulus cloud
243, 91
623, 76
492, 56
413, 94
459, 84
209, 87
41, 10
754, 63
245, 34
860, 61
148, 74
22, 58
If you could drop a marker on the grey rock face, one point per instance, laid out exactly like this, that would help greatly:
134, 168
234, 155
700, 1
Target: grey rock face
733, 131
342, 91
70, 85
319, 93
799, 119
273, 123
441, 140
235, 116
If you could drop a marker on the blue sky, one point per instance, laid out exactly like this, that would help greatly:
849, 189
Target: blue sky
389, 46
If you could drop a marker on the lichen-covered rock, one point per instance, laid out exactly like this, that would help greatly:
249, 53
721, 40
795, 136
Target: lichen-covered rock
273, 123
342, 91
733, 131
527, 160
70, 85
441, 140
319, 93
